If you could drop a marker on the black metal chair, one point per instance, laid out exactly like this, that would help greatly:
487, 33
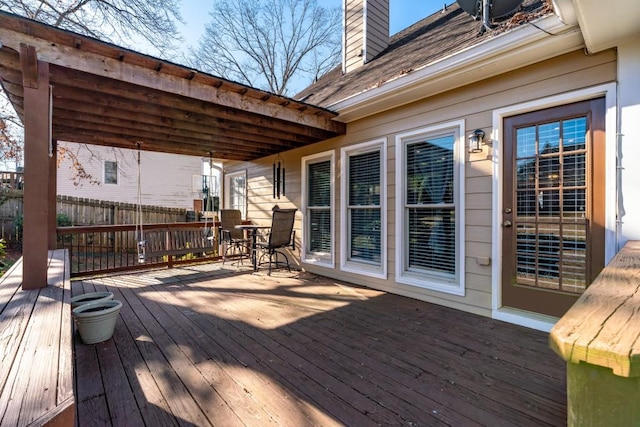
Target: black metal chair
233, 238
280, 236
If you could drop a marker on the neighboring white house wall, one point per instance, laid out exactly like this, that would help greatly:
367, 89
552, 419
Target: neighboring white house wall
629, 140
166, 179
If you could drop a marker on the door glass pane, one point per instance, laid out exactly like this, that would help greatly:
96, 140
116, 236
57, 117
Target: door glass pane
574, 204
574, 134
526, 142
550, 224
574, 170
526, 174
549, 138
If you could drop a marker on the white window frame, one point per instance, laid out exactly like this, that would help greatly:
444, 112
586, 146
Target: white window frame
351, 266
320, 259
433, 281
227, 191
104, 172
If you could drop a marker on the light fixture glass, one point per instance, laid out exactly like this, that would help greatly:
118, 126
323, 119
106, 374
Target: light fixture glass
476, 140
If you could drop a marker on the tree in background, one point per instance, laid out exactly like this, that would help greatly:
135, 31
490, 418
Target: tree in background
151, 22
268, 44
116, 21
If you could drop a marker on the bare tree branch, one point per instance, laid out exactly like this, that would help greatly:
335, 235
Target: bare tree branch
270, 44
124, 22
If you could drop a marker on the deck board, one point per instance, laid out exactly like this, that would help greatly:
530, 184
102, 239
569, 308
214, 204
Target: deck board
204, 345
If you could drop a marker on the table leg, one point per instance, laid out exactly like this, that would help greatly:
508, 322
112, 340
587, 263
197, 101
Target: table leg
254, 254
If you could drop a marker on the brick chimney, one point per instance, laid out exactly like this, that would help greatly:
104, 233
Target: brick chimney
365, 31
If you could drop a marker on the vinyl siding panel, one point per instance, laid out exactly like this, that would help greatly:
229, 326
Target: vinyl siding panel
166, 179
474, 104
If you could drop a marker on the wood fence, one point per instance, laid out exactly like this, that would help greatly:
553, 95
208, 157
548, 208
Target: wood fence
84, 212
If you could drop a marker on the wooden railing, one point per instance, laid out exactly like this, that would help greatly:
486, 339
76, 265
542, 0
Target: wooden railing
111, 248
599, 338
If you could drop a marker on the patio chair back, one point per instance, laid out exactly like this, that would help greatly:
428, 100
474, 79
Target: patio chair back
281, 228
229, 218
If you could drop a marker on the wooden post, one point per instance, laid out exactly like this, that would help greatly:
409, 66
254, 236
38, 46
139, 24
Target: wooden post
597, 397
598, 338
36, 169
53, 189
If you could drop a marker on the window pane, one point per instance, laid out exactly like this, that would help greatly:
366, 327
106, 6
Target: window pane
574, 171
364, 179
430, 171
238, 193
319, 184
432, 240
365, 235
574, 134
526, 142
110, 172
320, 230
549, 135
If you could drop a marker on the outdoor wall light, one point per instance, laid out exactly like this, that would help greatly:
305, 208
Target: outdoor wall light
476, 140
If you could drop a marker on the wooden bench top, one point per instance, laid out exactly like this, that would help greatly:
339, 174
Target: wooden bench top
603, 326
36, 359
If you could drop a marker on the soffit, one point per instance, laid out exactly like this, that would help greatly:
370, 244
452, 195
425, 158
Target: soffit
605, 24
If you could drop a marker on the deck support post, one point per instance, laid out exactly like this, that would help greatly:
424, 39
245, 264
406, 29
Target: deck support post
598, 397
37, 169
52, 196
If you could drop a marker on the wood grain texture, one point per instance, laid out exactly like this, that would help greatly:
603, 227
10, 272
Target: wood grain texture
36, 369
603, 326
224, 346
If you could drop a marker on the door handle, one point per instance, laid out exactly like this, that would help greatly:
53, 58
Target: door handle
507, 223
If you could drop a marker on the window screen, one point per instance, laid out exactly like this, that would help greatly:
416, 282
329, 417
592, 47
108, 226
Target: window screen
430, 208
319, 207
364, 209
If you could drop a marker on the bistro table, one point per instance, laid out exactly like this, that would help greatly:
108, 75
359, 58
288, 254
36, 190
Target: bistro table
253, 229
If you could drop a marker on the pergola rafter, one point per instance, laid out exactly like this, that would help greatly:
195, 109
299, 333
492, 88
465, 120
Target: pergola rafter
103, 94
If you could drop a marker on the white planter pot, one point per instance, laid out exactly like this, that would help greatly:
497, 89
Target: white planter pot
90, 297
96, 320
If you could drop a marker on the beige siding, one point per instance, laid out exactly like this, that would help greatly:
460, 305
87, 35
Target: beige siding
354, 34
473, 104
377, 27
375, 35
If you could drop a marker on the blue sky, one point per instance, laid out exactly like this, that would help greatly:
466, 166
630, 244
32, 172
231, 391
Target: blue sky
403, 13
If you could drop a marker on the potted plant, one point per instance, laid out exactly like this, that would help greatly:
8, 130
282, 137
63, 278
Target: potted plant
96, 321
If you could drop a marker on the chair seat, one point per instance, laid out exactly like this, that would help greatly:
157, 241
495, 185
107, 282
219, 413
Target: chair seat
233, 238
280, 236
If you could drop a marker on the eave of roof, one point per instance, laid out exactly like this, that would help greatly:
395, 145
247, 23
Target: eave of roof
442, 52
519, 47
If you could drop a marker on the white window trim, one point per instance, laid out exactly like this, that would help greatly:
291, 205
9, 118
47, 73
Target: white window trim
227, 188
104, 173
352, 266
433, 282
518, 317
312, 258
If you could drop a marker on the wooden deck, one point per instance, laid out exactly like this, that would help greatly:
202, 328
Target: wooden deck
36, 359
204, 346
